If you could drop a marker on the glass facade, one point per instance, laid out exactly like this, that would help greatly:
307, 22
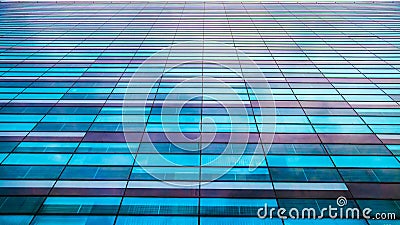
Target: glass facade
197, 112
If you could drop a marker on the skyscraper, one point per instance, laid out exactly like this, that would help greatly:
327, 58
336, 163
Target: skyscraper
198, 112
